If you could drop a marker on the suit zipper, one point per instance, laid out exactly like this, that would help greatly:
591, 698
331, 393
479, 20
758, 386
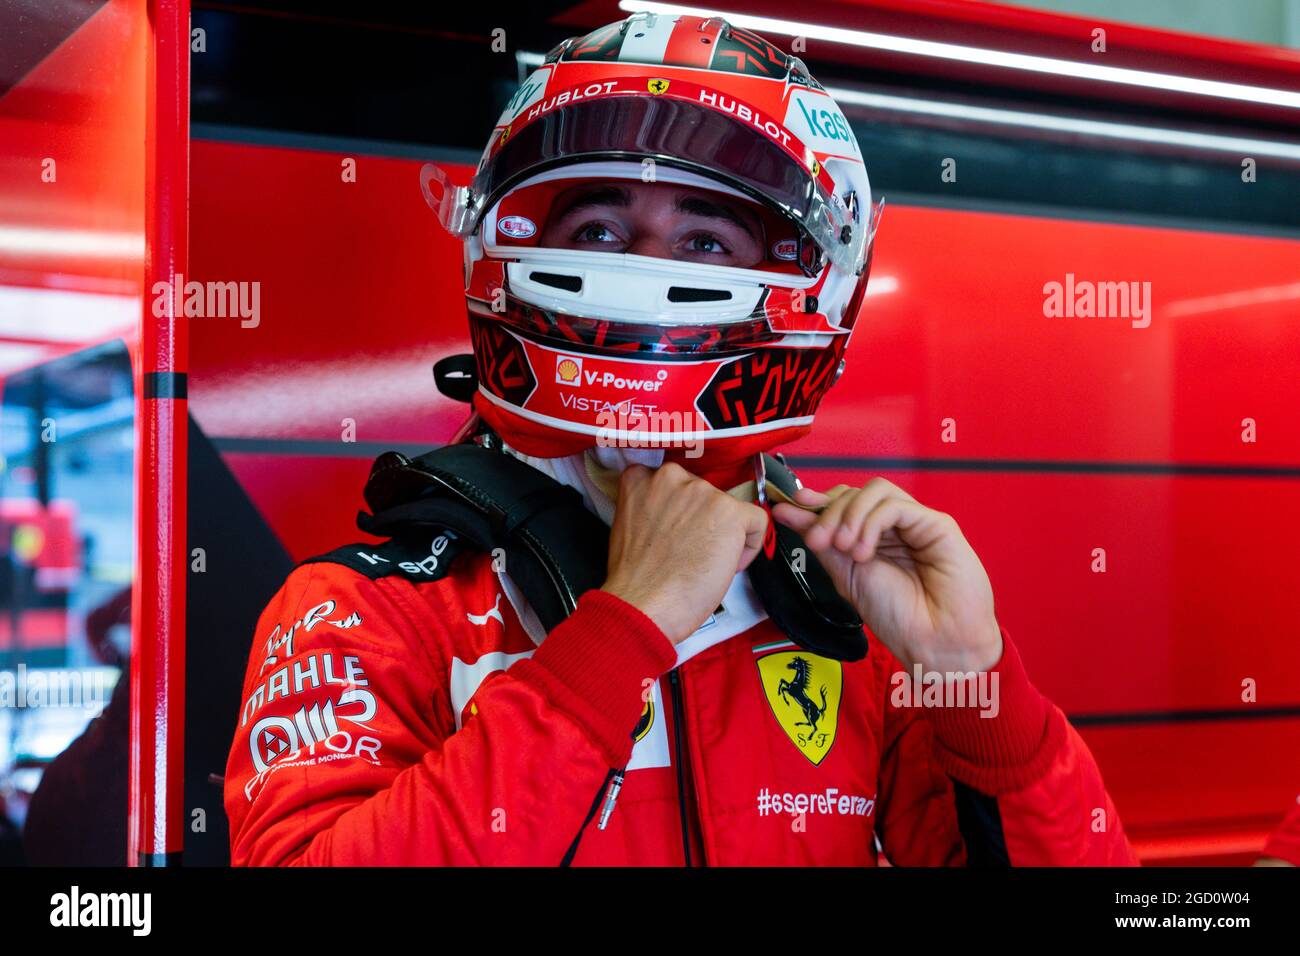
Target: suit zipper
675, 681
595, 805
613, 782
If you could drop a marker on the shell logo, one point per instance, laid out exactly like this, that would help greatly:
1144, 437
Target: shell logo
568, 370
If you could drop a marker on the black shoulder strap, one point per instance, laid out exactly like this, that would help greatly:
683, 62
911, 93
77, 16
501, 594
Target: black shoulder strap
553, 548
469, 497
417, 554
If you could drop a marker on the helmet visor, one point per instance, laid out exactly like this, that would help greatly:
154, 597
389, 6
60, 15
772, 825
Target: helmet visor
685, 135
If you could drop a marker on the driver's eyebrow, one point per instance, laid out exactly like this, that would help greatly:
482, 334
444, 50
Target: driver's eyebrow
598, 196
699, 206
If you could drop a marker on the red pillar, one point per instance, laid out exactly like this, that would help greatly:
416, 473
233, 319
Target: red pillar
157, 811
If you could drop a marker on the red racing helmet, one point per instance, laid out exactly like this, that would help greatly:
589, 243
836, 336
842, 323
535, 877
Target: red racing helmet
576, 348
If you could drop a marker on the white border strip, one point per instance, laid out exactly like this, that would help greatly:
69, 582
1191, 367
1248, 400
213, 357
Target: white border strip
1235, 145
1168, 82
673, 438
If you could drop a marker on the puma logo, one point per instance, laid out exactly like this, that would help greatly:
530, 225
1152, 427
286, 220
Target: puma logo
482, 619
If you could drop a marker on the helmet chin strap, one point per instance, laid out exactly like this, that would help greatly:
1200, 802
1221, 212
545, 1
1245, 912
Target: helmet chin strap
616, 459
605, 464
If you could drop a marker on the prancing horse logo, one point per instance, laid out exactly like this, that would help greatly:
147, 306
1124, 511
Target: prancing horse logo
798, 690
809, 717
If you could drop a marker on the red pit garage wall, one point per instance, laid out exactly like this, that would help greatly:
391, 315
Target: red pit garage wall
71, 180
93, 180
1073, 434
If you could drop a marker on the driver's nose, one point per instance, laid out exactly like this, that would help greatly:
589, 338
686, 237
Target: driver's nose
650, 244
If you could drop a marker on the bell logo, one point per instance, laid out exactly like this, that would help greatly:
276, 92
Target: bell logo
568, 370
516, 227
786, 249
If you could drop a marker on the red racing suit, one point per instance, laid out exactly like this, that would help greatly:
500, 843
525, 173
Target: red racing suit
396, 711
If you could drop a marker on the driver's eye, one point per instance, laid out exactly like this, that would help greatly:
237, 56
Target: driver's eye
706, 243
595, 232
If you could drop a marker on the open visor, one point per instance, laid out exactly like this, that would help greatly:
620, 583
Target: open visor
669, 131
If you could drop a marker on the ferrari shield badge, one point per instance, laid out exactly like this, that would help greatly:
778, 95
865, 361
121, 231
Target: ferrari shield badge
804, 692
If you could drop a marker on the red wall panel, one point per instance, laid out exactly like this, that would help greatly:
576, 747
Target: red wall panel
359, 295
961, 334
1057, 420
